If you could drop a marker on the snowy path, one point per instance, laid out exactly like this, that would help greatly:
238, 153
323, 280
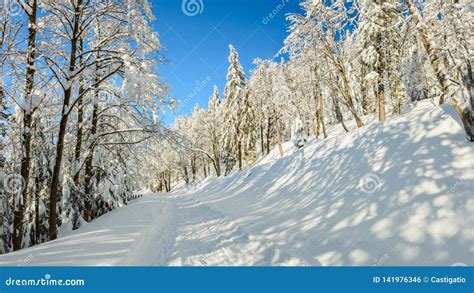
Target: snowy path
155, 230
397, 193
118, 238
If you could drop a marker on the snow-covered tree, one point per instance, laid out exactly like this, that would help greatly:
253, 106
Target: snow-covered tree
379, 37
444, 19
322, 27
81, 89
212, 123
238, 115
297, 133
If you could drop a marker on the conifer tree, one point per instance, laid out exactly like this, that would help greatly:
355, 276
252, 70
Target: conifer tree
237, 110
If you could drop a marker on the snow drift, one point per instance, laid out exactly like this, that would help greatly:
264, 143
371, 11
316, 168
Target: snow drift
393, 193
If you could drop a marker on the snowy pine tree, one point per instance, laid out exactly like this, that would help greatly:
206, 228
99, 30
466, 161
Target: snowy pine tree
238, 118
297, 133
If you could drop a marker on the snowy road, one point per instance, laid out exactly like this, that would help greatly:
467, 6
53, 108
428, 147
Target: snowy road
116, 238
155, 230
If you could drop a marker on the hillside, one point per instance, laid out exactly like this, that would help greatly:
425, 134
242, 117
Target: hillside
393, 193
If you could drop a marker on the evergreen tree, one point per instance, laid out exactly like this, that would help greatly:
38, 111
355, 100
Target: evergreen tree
297, 133
379, 38
237, 112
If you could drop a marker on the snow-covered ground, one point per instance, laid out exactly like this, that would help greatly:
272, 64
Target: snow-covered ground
394, 193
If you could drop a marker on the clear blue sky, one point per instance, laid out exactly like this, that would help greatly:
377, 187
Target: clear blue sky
197, 46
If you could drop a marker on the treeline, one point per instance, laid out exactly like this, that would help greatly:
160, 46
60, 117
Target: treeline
342, 60
78, 97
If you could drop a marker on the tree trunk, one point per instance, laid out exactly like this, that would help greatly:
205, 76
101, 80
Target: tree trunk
169, 180
216, 153
80, 115
89, 169
18, 213
321, 117
63, 124
160, 184
320, 112
381, 78
240, 154
3, 116
37, 215
381, 102
317, 127
217, 165
366, 104
469, 112
278, 137
57, 168
339, 115
269, 128
193, 167
397, 90
337, 108
185, 175
349, 99
204, 169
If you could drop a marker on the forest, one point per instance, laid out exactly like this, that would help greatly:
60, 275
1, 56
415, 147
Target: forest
82, 100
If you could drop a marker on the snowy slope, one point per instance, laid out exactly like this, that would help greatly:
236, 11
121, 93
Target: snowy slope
394, 193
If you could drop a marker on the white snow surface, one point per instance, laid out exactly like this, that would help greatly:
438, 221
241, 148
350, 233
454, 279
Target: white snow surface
393, 193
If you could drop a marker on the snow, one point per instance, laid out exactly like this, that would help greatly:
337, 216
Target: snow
393, 193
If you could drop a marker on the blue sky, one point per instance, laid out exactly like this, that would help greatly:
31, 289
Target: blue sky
196, 47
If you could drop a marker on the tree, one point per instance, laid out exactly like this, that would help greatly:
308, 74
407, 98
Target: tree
297, 133
86, 75
379, 38
106, 30
213, 120
323, 27
449, 89
30, 104
237, 111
